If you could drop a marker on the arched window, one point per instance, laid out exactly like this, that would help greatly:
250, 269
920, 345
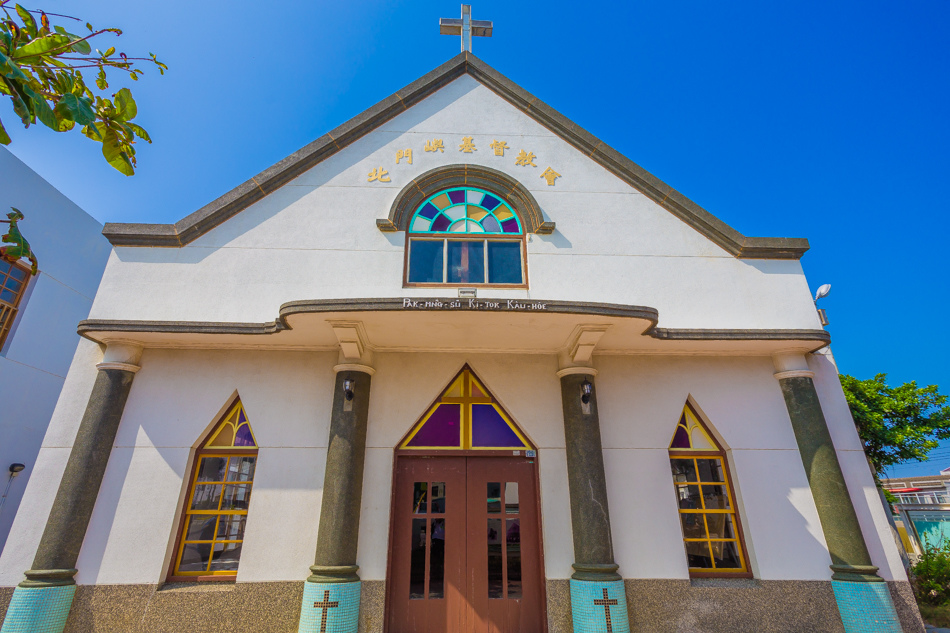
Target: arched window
465, 236
212, 526
707, 508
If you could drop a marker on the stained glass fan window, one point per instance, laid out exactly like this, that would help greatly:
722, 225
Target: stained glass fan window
465, 236
465, 416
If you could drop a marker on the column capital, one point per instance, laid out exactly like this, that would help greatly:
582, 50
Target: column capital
568, 371
785, 362
366, 369
124, 355
794, 373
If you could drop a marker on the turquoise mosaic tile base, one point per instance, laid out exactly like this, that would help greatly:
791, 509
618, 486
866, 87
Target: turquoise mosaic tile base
599, 607
866, 607
329, 607
39, 609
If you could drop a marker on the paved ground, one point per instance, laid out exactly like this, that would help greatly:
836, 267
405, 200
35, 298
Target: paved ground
933, 629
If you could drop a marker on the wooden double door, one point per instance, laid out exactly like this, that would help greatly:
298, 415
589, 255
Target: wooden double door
465, 552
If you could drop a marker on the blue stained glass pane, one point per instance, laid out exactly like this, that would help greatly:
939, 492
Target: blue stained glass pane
441, 429
243, 436
510, 226
491, 224
457, 196
490, 202
490, 429
441, 223
466, 262
429, 211
425, 261
504, 262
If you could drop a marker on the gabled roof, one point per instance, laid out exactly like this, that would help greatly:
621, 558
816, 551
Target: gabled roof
276, 176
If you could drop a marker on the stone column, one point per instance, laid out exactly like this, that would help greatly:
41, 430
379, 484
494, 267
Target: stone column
862, 596
331, 596
596, 588
41, 603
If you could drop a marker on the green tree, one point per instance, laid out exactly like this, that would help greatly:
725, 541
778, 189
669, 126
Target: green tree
897, 424
41, 72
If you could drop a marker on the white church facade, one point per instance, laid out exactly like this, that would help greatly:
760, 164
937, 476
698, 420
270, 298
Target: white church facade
457, 365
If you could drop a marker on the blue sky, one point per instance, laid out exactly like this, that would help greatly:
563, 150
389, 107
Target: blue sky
819, 120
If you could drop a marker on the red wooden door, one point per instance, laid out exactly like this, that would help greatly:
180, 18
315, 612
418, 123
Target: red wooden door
466, 552
504, 553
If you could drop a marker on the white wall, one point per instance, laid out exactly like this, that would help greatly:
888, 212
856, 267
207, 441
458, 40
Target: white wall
177, 395
320, 228
72, 254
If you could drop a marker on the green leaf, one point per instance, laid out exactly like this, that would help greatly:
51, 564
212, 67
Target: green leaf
9, 69
91, 132
4, 137
115, 156
42, 45
28, 20
140, 132
79, 108
80, 45
125, 108
44, 113
110, 51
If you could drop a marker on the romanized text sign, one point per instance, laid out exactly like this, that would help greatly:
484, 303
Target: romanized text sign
503, 305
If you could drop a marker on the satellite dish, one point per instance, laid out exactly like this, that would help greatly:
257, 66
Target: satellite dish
823, 291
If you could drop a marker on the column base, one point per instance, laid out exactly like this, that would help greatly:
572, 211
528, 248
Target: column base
865, 607
855, 573
329, 607
599, 607
333, 574
596, 572
42, 609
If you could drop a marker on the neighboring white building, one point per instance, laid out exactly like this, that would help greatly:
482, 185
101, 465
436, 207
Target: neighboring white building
480, 372
39, 337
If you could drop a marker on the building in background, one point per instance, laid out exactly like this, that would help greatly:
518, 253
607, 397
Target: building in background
39, 314
922, 511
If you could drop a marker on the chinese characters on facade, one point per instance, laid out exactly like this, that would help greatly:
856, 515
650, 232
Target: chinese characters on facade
524, 158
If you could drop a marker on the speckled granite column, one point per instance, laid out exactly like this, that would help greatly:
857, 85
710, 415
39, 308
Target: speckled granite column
41, 603
331, 596
598, 600
863, 598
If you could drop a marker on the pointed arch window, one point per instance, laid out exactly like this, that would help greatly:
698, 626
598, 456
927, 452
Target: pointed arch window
466, 416
211, 534
465, 236
712, 534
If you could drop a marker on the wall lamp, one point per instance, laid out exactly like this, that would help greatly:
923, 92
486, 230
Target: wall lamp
15, 469
587, 390
348, 389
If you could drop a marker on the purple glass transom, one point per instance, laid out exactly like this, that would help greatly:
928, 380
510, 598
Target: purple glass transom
680, 438
441, 223
510, 226
243, 436
441, 429
457, 196
490, 429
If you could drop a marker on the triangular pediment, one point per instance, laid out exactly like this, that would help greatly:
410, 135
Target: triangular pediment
270, 180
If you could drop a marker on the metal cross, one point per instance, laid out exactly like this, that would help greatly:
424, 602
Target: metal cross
466, 27
326, 605
606, 604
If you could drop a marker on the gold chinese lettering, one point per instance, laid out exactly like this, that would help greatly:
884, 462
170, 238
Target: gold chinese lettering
467, 146
525, 159
435, 145
499, 147
379, 174
550, 175
404, 153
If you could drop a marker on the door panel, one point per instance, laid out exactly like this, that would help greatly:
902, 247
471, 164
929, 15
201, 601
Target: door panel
429, 525
466, 555
504, 556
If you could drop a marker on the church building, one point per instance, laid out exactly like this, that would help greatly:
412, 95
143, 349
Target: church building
456, 366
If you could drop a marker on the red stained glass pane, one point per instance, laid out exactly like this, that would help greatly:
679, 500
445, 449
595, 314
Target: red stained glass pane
441, 429
490, 429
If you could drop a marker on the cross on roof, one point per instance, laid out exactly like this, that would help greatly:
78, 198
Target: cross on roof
466, 27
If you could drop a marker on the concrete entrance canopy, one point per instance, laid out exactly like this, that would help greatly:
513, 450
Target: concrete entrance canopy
459, 324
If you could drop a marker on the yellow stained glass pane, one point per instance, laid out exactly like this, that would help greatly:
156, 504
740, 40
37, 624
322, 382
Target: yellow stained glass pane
224, 436
442, 201
503, 214
476, 213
